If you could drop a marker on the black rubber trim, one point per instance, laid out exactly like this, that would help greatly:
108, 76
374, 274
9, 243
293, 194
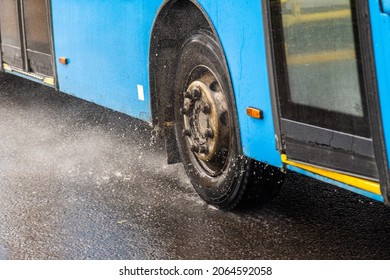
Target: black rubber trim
328, 138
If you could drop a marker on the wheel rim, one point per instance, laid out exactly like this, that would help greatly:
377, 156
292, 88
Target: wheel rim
206, 122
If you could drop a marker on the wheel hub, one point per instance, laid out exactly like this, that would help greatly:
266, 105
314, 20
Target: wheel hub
204, 112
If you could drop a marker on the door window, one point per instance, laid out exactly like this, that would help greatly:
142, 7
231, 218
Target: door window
319, 42
10, 37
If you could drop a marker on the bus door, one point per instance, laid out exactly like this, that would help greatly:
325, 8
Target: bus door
320, 79
26, 37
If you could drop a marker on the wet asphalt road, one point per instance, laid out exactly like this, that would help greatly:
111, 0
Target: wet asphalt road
81, 182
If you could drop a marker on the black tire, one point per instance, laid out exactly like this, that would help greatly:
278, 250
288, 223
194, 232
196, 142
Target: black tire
206, 128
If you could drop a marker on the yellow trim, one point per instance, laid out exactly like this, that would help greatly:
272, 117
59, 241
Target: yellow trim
49, 81
360, 183
6, 67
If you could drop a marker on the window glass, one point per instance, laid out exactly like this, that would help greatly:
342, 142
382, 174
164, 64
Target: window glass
37, 34
321, 58
9, 23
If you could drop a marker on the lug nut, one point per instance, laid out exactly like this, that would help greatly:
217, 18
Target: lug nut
196, 94
206, 109
195, 148
186, 132
203, 149
184, 110
209, 133
187, 94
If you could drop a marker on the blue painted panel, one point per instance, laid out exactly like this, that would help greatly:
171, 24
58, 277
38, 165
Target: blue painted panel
240, 30
381, 36
107, 45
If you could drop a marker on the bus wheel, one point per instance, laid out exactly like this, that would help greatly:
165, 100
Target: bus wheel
206, 127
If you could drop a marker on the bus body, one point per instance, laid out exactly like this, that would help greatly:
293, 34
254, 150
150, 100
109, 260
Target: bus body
309, 80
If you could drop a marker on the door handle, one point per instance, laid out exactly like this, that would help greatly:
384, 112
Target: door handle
385, 5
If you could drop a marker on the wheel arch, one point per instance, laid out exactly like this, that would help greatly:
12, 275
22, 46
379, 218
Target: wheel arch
174, 23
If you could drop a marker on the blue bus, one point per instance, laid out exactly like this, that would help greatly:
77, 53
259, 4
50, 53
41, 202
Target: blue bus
241, 91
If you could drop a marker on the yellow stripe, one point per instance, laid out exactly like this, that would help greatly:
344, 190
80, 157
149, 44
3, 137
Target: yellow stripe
49, 81
6, 67
360, 183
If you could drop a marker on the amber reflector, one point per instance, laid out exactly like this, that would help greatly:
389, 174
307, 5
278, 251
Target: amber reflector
63, 60
254, 113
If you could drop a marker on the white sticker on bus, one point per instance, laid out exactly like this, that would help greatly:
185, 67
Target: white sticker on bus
141, 94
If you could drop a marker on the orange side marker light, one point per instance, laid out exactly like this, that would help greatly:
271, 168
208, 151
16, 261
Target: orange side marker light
64, 60
254, 113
